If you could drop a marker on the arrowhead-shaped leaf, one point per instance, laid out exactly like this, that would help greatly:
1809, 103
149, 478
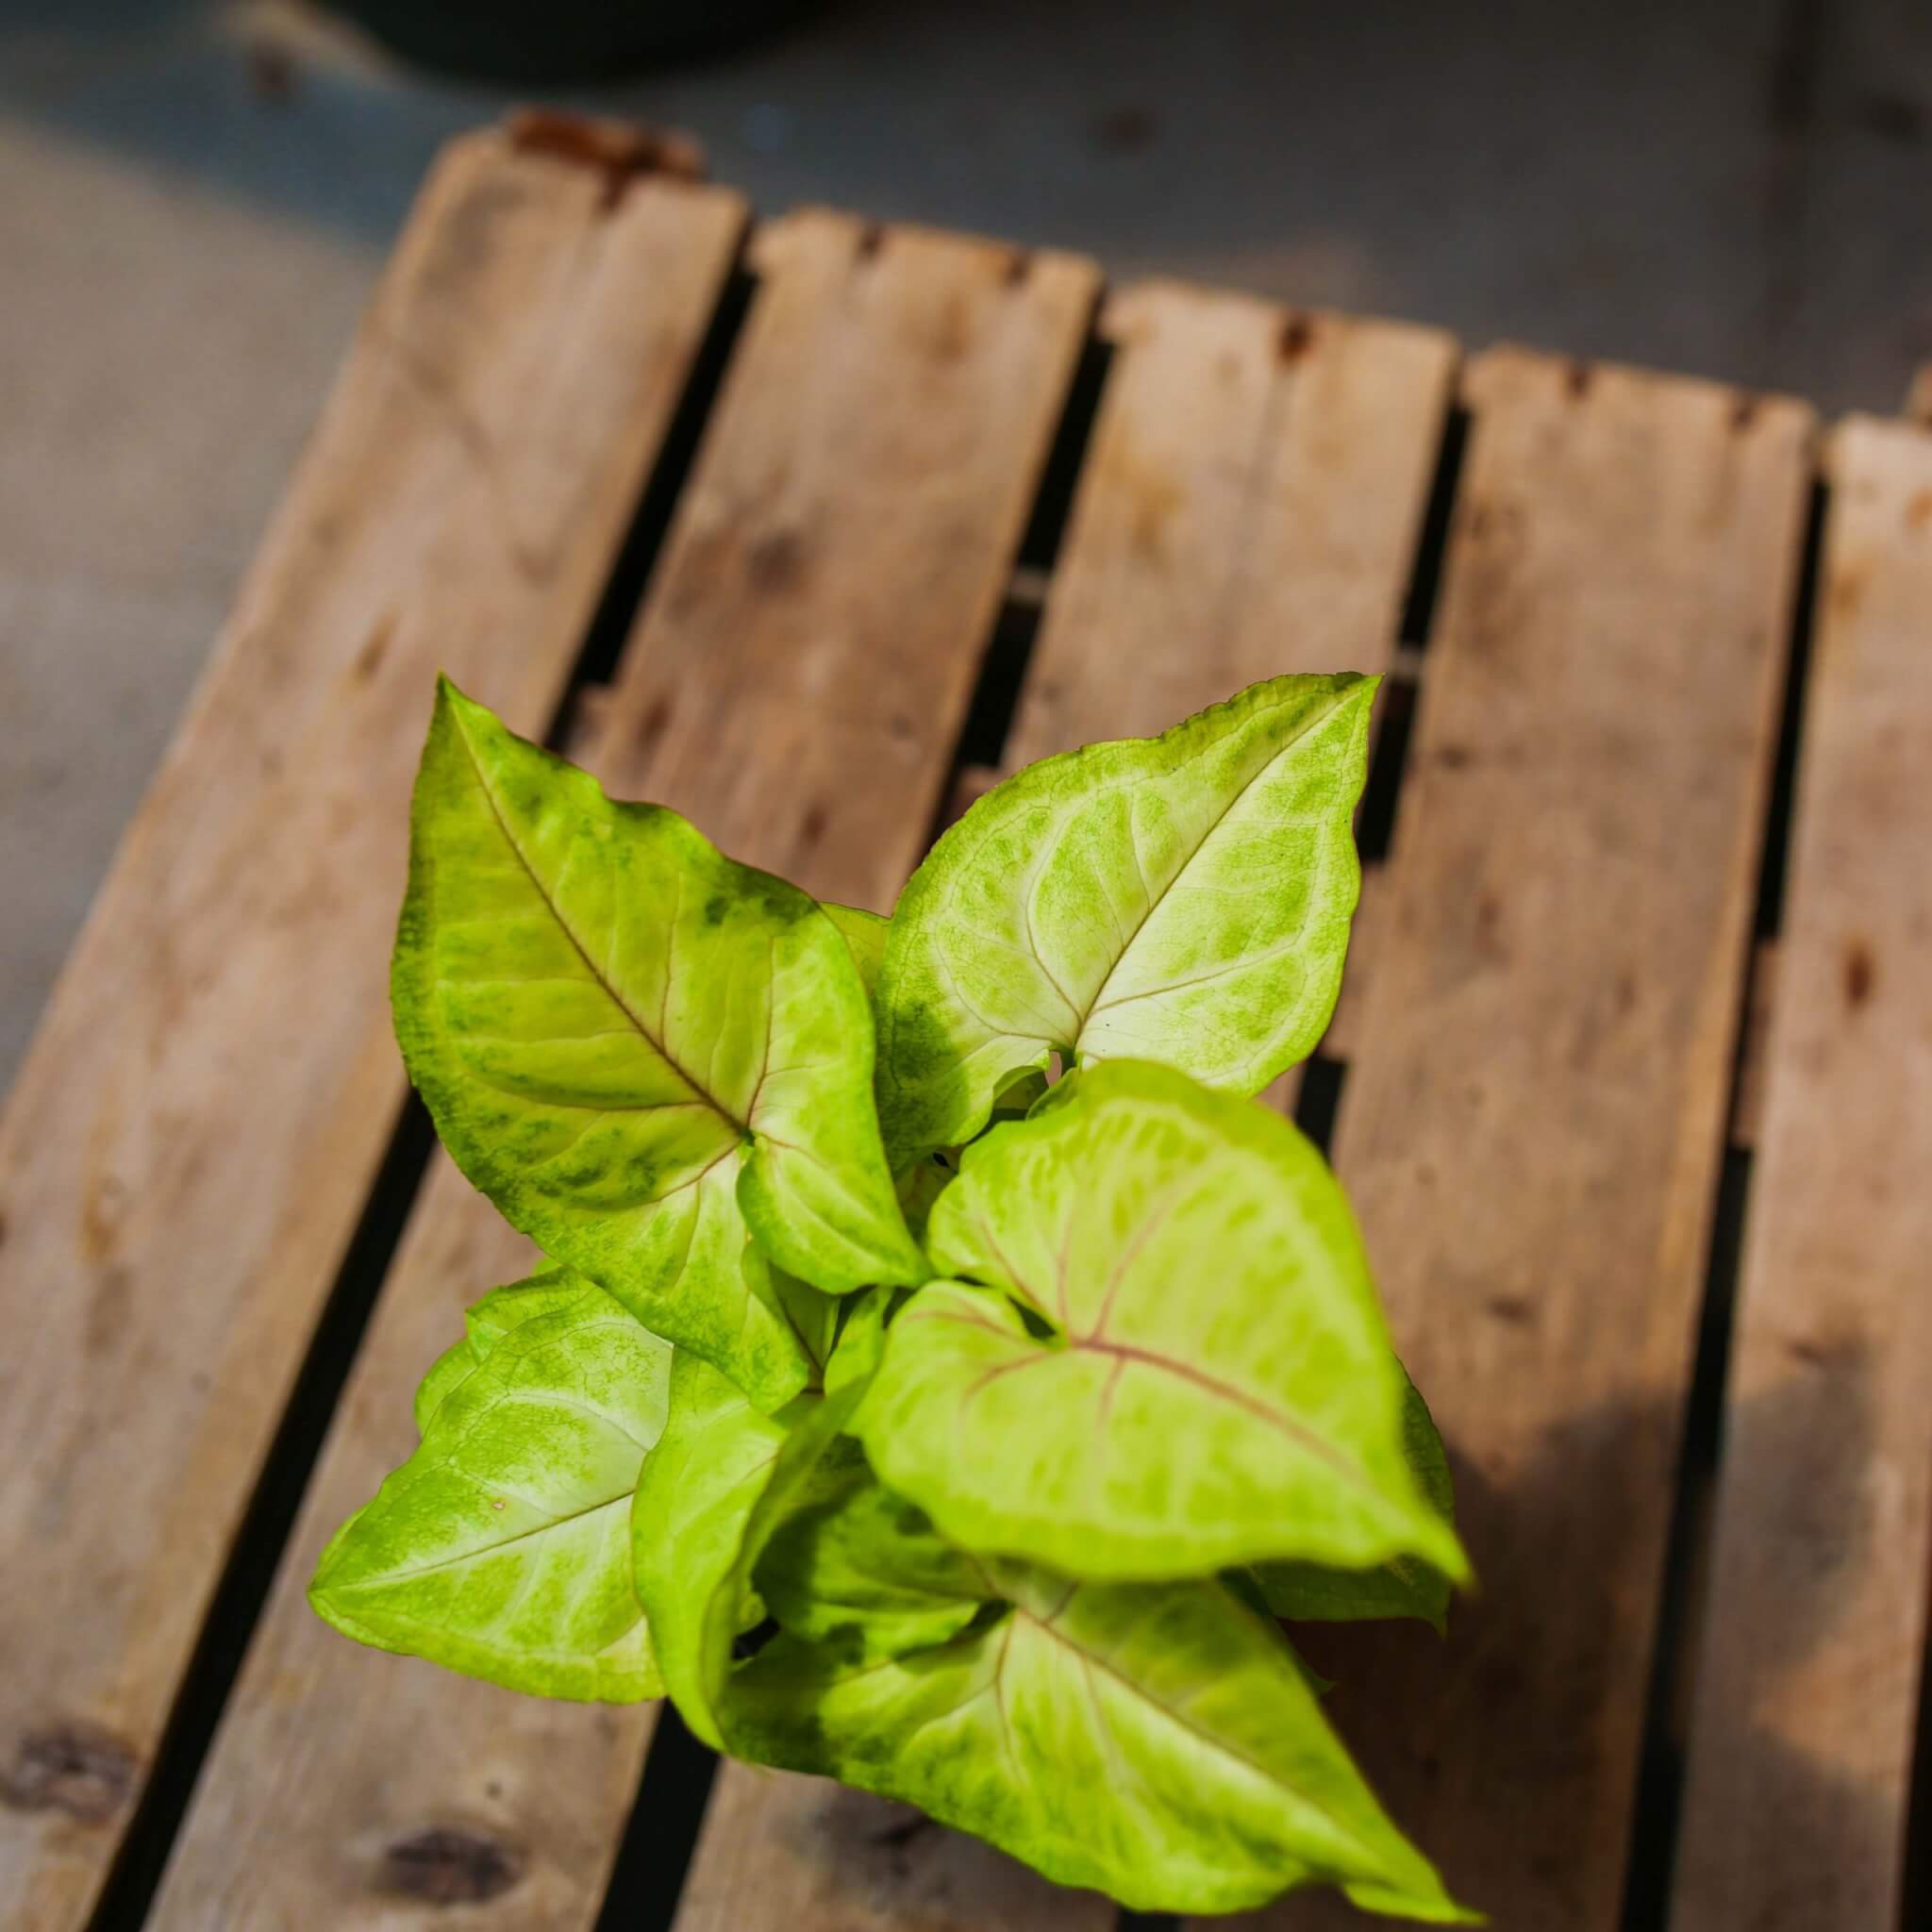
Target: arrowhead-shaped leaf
1156, 1741
719, 1482
1216, 1386
1183, 899
863, 1567
639, 1049
1404, 1586
501, 1547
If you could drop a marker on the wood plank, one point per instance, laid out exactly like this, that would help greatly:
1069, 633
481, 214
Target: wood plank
1798, 1780
1532, 1122
795, 683
1251, 505
867, 522
199, 1120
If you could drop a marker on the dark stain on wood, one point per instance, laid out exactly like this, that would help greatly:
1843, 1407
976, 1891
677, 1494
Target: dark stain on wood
776, 562
812, 828
1511, 1309
871, 238
1860, 973
1018, 266
1296, 338
72, 1767
656, 722
1743, 410
1578, 376
1919, 512
375, 649
619, 151
446, 1865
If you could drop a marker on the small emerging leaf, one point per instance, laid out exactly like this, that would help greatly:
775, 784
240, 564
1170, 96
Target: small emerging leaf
640, 1050
1404, 1586
500, 1548
722, 1481
1156, 1741
1217, 1388
1184, 899
864, 1568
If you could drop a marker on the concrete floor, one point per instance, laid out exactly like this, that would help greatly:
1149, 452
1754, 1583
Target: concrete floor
195, 200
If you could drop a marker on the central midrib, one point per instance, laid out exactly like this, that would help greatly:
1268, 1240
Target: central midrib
1213, 825
583, 953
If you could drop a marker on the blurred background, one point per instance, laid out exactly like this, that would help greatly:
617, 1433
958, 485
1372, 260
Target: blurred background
195, 199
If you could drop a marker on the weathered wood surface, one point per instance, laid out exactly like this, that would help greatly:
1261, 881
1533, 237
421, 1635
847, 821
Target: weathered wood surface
193, 1137
840, 560
1536, 1102
794, 685
1815, 1625
1250, 505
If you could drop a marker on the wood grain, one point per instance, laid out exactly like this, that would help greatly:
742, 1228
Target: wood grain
1533, 1116
1806, 1685
198, 1123
1251, 505
794, 684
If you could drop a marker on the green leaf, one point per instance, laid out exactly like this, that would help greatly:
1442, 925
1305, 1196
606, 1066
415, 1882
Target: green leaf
1184, 899
1218, 1386
639, 1050
1156, 1741
1404, 1586
865, 933
487, 1323
500, 1548
719, 1482
864, 1568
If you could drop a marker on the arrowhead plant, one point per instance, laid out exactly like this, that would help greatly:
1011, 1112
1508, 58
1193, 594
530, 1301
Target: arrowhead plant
948, 1377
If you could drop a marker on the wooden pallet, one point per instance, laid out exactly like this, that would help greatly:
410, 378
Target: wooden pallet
909, 501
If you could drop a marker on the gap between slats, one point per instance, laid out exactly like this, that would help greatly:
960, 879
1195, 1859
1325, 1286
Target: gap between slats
1660, 1764
252, 1562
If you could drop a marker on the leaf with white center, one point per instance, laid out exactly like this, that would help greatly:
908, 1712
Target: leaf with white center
642, 1051
1156, 1741
1404, 1586
719, 1482
1184, 899
1216, 1386
501, 1548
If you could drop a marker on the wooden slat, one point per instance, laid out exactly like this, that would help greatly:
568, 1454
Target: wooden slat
795, 683
1815, 1625
1533, 1116
1251, 505
201, 1115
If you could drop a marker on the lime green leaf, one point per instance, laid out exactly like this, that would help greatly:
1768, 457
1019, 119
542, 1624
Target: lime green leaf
919, 1186
1156, 1741
865, 933
1183, 899
1218, 1386
500, 1548
640, 1049
1404, 1586
485, 1326
719, 1482
862, 1567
